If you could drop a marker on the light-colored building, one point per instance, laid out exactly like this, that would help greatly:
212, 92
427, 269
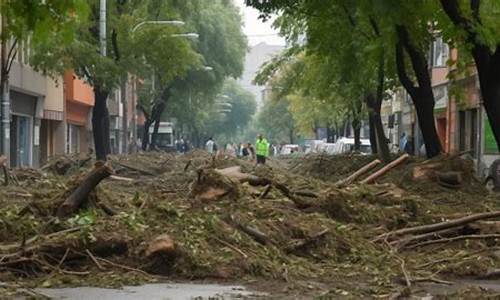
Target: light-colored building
53, 127
255, 58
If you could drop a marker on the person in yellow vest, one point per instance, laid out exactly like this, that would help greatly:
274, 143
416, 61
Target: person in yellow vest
261, 149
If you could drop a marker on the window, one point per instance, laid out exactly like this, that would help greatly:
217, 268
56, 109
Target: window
439, 53
72, 139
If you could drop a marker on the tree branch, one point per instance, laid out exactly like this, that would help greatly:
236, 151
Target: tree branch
11, 61
143, 109
375, 27
10, 57
353, 22
381, 77
474, 6
401, 70
114, 41
418, 60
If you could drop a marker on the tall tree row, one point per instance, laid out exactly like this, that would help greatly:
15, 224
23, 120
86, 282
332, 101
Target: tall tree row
377, 45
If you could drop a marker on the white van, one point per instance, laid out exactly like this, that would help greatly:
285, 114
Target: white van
346, 145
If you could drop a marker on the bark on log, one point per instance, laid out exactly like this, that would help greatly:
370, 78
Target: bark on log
386, 169
450, 178
357, 174
81, 193
253, 232
304, 243
236, 174
440, 226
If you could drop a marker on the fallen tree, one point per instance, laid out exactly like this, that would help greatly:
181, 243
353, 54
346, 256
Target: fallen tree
80, 195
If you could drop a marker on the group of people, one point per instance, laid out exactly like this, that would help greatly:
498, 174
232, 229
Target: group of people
182, 146
246, 151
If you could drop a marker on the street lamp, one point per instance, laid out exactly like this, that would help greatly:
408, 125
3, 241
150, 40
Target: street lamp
175, 23
187, 35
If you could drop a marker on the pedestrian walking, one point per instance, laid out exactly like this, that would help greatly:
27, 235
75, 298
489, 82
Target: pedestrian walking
210, 146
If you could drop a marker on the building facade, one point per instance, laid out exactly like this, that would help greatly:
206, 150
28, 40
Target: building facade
79, 100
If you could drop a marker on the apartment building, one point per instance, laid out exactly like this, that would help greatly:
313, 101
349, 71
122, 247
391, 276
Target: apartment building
79, 100
36, 119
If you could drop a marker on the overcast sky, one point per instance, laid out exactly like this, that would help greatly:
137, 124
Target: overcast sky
256, 30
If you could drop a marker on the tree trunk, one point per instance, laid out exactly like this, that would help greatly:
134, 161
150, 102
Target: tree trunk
425, 116
373, 135
145, 134
422, 95
100, 124
374, 107
292, 137
154, 136
356, 125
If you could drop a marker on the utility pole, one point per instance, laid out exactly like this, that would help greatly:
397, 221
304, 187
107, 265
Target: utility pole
5, 101
102, 27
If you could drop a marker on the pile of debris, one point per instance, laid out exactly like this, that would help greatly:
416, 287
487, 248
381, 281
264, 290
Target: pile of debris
142, 217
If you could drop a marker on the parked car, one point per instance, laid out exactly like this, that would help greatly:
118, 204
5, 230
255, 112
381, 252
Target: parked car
328, 148
289, 149
346, 145
492, 181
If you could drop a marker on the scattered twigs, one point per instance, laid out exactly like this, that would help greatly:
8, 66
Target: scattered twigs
403, 269
309, 194
457, 238
63, 258
133, 168
188, 164
387, 168
422, 237
234, 248
120, 178
304, 243
123, 266
266, 191
92, 257
439, 226
357, 174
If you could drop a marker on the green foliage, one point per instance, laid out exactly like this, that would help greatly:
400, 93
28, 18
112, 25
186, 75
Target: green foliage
276, 122
232, 113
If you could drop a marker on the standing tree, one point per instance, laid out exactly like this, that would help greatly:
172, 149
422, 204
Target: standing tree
477, 23
38, 22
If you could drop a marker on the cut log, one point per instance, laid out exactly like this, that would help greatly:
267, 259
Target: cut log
357, 174
440, 226
236, 174
81, 193
387, 168
161, 245
450, 178
298, 245
253, 232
